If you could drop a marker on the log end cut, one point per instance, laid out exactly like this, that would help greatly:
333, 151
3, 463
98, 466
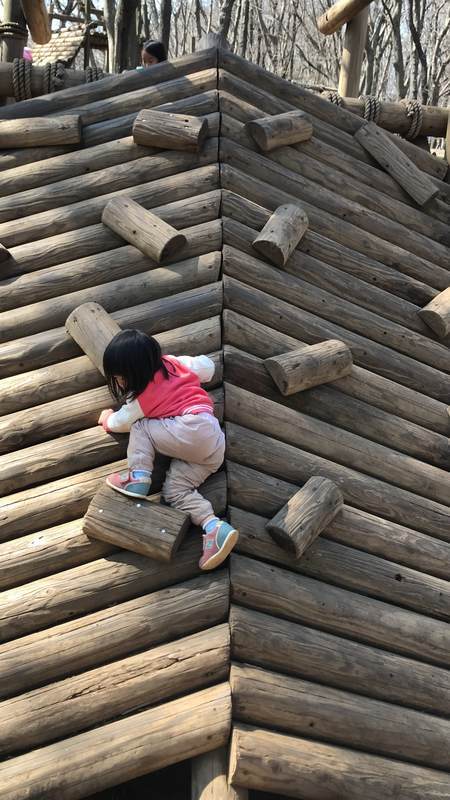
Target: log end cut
437, 314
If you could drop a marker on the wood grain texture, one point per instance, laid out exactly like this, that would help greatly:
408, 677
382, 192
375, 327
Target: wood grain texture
340, 13
298, 370
280, 130
92, 329
169, 131
144, 230
38, 131
437, 314
209, 778
281, 234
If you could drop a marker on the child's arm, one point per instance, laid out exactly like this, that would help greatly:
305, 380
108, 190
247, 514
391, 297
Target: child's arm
203, 366
122, 420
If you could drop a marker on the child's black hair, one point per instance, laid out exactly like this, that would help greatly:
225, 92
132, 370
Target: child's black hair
135, 358
155, 48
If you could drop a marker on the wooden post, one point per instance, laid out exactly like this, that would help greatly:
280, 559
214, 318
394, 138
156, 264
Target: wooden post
14, 38
144, 527
352, 54
169, 131
92, 329
282, 233
209, 778
437, 314
280, 130
342, 11
310, 366
40, 131
420, 187
38, 20
149, 233
306, 515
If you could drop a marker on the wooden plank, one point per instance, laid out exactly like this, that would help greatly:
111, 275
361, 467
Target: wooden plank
169, 131
130, 747
94, 697
305, 767
281, 234
142, 527
418, 185
305, 515
302, 651
302, 369
280, 130
209, 778
304, 708
142, 229
38, 131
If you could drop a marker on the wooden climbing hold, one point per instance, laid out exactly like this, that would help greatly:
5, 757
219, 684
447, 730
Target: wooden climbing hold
437, 314
40, 131
169, 131
280, 130
306, 515
144, 230
384, 150
92, 328
139, 525
282, 233
310, 366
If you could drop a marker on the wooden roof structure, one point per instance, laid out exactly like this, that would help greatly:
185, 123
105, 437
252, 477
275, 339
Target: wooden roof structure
64, 45
113, 665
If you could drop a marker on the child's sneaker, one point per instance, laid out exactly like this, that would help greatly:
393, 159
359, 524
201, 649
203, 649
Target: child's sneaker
133, 484
217, 545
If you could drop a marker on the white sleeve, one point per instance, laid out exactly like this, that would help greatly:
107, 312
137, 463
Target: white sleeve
122, 420
203, 366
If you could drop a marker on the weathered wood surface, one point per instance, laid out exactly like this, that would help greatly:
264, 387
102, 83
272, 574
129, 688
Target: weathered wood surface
244, 331
305, 515
280, 130
209, 778
302, 651
298, 370
143, 229
169, 131
38, 20
38, 131
92, 329
49, 347
69, 377
107, 692
309, 326
306, 768
116, 632
355, 38
340, 13
399, 166
395, 544
387, 288
437, 314
143, 527
5, 255
281, 234
155, 283
343, 566
335, 119
366, 493
175, 176
303, 708
124, 749
305, 600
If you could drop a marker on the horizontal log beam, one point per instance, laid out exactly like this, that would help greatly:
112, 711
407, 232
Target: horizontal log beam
107, 692
40, 131
303, 708
302, 651
131, 747
285, 594
257, 492
340, 13
305, 767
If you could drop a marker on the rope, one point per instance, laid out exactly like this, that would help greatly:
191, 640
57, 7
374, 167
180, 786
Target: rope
93, 74
334, 97
413, 109
21, 76
372, 107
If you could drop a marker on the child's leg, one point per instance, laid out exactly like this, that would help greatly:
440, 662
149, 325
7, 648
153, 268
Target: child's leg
136, 481
180, 490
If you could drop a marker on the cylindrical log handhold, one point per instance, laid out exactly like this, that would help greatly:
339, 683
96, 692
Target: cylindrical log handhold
92, 329
437, 314
311, 366
336, 16
149, 233
209, 778
40, 131
306, 515
169, 131
282, 233
144, 527
280, 130
38, 21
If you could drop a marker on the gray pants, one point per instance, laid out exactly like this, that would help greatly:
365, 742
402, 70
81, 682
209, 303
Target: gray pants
196, 444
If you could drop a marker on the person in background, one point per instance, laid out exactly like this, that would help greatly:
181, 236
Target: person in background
153, 52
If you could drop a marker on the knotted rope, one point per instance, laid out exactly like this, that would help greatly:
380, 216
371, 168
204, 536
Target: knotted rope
334, 97
413, 109
372, 107
21, 77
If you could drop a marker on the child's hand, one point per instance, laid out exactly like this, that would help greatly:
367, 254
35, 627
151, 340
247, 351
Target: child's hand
104, 417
